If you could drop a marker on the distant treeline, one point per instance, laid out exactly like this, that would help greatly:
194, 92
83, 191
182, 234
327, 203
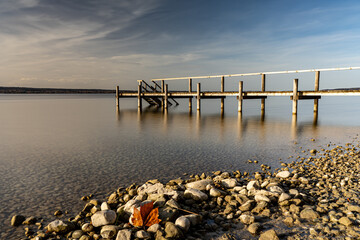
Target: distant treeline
25, 90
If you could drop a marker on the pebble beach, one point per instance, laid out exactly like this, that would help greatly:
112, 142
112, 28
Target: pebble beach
316, 196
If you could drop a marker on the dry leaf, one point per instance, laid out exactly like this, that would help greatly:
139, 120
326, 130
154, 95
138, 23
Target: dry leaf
152, 218
146, 216
137, 220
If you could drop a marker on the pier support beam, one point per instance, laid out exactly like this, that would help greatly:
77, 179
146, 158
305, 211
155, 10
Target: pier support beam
198, 97
117, 96
240, 96
139, 96
190, 90
263, 90
166, 97
295, 96
222, 90
162, 90
317, 81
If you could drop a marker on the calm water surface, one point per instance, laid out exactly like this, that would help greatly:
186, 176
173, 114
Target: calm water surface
56, 148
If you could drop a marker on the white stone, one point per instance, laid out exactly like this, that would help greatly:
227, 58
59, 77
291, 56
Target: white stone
195, 194
142, 234
283, 174
276, 189
214, 192
154, 228
87, 227
194, 219
247, 219
303, 180
294, 192
157, 188
129, 206
108, 231
57, 226
253, 185
238, 188
183, 223
105, 206
199, 185
259, 197
284, 197
229, 182
124, 234
102, 218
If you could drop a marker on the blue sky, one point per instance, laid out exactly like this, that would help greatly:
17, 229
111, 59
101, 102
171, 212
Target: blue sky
101, 44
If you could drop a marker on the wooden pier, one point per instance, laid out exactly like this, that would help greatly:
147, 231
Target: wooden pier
160, 96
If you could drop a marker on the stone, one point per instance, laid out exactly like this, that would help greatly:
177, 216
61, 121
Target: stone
142, 234
29, 220
87, 227
194, 219
309, 214
195, 194
105, 206
247, 219
345, 221
168, 213
154, 228
260, 206
199, 185
353, 208
247, 206
259, 198
276, 189
172, 203
85, 237
283, 174
284, 197
59, 226
183, 223
157, 188
124, 234
289, 221
172, 231
254, 228
269, 235
253, 185
229, 182
129, 206
77, 234
17, 220
214, 192
108, 231
102, 218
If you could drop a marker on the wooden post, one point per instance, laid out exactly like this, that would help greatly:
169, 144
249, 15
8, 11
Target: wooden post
222, 90
317, 81
162, 90
240, 96
166, 97
190, 90
198, 96
117, 96
263, 90
139, 96
295, 96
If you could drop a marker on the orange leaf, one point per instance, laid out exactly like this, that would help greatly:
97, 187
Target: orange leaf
137, 220
152, 218
146, 209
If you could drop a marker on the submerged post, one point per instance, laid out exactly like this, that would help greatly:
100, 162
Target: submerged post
117, 96
190, 90
166, 97
162, 90
295, 96
222, 90
198, 97
139, 96
317, 81
263, 90
240, 96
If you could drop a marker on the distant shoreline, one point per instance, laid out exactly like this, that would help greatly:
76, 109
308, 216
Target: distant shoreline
27, 90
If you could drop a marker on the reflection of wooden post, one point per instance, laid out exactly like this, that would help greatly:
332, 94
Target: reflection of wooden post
222, 90
139, 96
117, 96
295, 96
198, 97
240, 96
317, 81
263, 90
190, 90
166, 97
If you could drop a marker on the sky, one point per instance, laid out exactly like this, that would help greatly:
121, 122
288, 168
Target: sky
101, 44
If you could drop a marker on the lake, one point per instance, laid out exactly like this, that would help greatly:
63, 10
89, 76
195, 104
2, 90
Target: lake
56, 148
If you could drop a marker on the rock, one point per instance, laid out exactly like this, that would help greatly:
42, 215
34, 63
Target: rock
29, 221
214, 192
247, 206
284, 197
259, 207
58, 213
105, 206
253, 185
142, 234
254, 228
59, 226
229, 182
129, 206
85, 237
283, 174
309, 214
353, 208
194, 219
157, 188
168, 213
172, 203
183, 223
303, 180
108, 231
172, 231
154, 228
289, 221
259, 198
77, 234
345, 221
102, 218
276, 189
199, 185
247, 219
87, 227
17, 220
269, 235
195, 194
124, 234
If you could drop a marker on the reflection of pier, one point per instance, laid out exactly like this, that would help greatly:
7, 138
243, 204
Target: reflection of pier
160, 96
